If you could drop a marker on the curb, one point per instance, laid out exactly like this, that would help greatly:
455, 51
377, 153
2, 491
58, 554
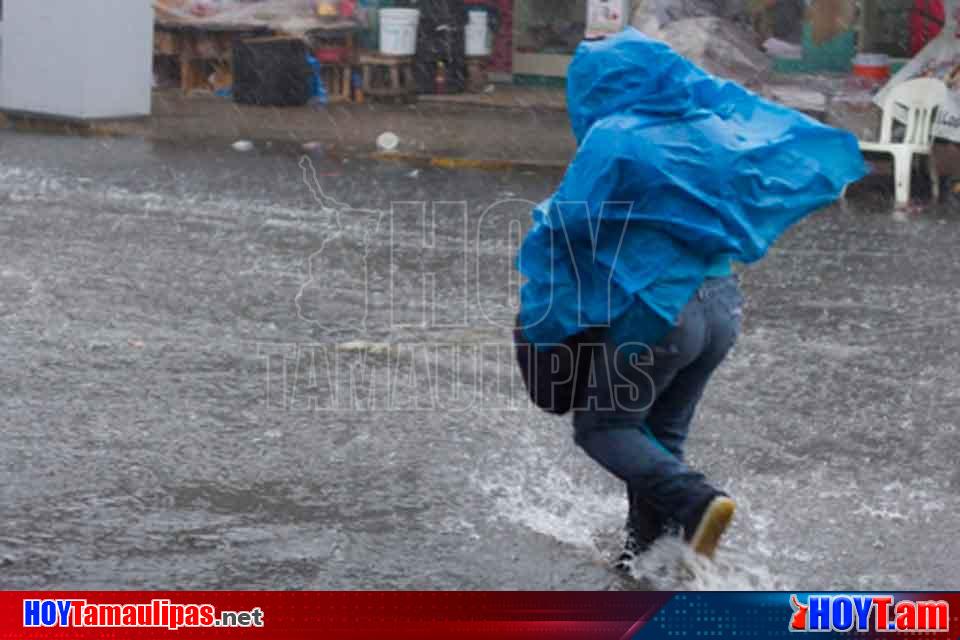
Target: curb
455, 162
108, 129
41, 125
444, 101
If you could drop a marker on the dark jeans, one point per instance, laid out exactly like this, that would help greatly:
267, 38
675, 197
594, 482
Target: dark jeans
640, 437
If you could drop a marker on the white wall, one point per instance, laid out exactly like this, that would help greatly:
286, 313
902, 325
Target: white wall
77, 58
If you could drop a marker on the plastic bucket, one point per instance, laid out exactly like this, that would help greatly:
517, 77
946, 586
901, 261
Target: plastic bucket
874, 67
478, 34
398, 31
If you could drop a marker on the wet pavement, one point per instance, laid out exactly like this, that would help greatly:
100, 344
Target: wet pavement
527, 129
220, 374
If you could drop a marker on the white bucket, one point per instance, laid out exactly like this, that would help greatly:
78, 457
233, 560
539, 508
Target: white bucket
478, 34
398, 31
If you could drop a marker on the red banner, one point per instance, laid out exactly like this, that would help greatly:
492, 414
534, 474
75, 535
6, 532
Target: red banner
348, 616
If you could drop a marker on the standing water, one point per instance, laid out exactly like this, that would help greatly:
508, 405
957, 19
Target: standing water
219, 376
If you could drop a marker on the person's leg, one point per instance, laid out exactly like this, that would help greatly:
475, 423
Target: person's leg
616, 436
672, 413
652, 474
645, 525
667, 487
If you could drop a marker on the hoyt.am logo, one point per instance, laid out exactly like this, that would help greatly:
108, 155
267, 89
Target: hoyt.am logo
865, 613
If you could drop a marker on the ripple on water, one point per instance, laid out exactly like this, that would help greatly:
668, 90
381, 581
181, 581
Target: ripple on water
17, 290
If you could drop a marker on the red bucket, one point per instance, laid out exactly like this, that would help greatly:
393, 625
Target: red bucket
873, 67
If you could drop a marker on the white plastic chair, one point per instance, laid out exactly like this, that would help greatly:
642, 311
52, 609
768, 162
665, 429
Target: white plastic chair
915, 103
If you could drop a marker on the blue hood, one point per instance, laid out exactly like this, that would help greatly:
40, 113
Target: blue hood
675, 170
605, 78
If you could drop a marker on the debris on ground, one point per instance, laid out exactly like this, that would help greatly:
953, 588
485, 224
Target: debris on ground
719, 46
808, 101
388, 142
782, 49
243, 146
667, 11
704, 31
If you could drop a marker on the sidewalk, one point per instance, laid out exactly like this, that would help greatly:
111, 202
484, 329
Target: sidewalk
507, 96
511, 127
441, 132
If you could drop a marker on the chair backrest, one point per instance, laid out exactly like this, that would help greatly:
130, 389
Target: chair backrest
915, 103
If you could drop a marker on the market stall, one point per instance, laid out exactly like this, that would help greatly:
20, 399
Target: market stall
201, 35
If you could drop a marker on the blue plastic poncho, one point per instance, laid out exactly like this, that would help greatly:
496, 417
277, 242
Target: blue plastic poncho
675, 170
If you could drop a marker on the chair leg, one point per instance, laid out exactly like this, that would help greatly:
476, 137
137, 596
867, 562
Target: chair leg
902, 170
934, 178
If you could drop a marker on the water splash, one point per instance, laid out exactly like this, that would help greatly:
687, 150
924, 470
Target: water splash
670, 565
554, 505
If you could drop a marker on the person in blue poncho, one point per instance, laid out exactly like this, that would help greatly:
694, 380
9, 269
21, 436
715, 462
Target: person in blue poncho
677, 175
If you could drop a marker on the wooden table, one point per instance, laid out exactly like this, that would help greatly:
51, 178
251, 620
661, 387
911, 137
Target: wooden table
197, 49
205, 45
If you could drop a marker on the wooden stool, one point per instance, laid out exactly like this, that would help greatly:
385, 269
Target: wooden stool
477, 79
387, 76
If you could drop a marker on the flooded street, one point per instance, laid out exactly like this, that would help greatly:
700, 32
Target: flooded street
220, 372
